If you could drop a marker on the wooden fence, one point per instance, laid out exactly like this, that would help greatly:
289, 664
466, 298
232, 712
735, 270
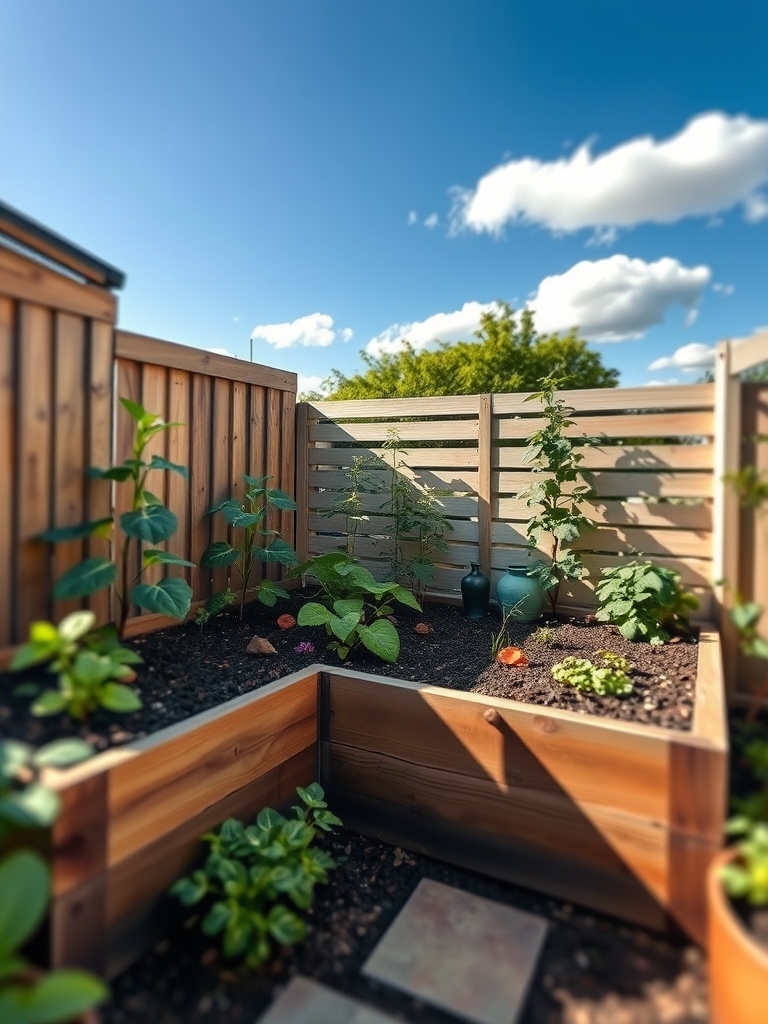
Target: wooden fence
652, 476
62, 367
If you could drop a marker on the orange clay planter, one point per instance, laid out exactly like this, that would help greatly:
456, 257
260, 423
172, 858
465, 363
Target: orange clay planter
738, 967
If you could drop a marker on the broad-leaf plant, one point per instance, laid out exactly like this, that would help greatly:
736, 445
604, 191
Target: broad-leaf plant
352, 607
258, 878
147, 522
556, 498
257, 543
645, 601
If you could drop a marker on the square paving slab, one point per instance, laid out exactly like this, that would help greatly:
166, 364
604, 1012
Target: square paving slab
468, 955
308, 1002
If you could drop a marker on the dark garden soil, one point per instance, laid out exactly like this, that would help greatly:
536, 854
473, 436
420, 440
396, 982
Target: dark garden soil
592, 969
188, 670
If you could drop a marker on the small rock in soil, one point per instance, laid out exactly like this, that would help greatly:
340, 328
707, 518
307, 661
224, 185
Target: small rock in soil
259, 645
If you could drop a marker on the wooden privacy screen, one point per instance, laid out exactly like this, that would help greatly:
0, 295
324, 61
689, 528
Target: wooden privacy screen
237, 418
56, 362
652, 477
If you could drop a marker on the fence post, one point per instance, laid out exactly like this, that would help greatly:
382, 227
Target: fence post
302, 481
484, 479
727, 459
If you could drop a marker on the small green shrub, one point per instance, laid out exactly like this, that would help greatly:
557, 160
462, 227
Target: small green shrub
608, 677
545, 635
147, 521
91, 664
257, 542
352, 606
747, 878
644, 600
252, 873
349, 502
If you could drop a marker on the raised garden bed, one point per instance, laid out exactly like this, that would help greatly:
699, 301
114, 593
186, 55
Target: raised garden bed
619, 816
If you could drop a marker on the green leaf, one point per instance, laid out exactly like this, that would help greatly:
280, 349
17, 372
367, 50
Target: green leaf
138, 412
157, 462
281, 500
269, 817
313, 614
24, 891
284, 926
153, 524
74, 626
219, 555
60, 996
118, 473
278, 551
344, 627
348, 606
85, 578
190, 890
170, 596
36, 804
62, 753
216, 920
116, 697
155, 556
313, 796
14, 755
50, 702
64, 533
381, 639
235, 514
406, 597
324, 819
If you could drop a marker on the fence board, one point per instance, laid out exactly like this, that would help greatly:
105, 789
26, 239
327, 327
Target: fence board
652, 424
424, 430
200, 481
154, 398
179, 398
683, 396
615, 484
99, 453
649, 457
7, 468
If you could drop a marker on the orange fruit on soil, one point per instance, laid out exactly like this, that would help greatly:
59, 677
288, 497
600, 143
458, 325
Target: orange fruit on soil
512, 656
286, 621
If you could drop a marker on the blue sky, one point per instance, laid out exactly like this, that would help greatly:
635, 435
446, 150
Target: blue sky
336, 174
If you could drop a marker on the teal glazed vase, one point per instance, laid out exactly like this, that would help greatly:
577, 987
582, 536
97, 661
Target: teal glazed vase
521, 592
475, 593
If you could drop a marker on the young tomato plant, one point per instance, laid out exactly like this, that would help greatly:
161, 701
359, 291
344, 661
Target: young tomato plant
558, 498
249, 516
349, 503
92, 666
352, 606
253, 874
147, 521
644, 600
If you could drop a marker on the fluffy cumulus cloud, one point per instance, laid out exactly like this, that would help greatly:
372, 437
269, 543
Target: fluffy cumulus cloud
451, 327
313, 331
688, 358
308, 382
615, 298
713, 164
222, 352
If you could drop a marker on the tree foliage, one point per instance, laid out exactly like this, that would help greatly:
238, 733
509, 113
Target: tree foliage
508, 356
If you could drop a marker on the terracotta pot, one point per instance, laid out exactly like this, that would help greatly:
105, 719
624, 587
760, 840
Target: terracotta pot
738, 967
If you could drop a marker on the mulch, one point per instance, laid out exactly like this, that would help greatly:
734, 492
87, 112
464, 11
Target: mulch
593, 970
187, 670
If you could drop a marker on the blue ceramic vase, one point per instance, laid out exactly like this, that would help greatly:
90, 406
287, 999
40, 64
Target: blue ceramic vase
475, 593
517, 590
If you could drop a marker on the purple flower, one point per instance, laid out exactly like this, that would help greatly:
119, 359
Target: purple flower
305, 647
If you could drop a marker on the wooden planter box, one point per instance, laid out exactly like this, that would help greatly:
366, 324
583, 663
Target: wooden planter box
619, 817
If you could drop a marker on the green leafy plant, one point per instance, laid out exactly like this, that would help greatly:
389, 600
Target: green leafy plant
254, 873
26, 995
750, 485
545, 635
753, 748
92, 666
747, 877
558, 498
645, 601
608, 674
746, 616
257, 544
418, 518
352, 606
24, 801
147, 521
349, 503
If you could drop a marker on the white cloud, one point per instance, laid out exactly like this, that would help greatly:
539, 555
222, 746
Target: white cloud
661, 383
615, 298
431, 221
412, 218
222, 352
307, 382
691, 317
451, 327
688, 358
723, 289
713, 164
314, 331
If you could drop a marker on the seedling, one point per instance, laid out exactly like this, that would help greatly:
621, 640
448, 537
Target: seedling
608, 677
92, 666
253, 873
545, 635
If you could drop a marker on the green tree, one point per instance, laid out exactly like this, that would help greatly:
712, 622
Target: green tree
508, 356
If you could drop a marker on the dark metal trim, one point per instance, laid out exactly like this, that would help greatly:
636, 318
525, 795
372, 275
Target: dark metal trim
47, 243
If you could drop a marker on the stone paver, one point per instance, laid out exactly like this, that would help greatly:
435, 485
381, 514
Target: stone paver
308, 1002
466, 954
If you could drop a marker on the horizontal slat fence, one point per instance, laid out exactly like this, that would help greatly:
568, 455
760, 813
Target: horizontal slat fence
652, 477
235, 417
